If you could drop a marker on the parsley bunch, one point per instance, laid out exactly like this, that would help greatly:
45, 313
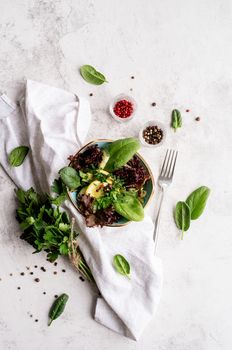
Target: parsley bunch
47, 228
44, 226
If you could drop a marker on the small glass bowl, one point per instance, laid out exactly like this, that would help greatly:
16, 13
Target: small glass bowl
119, 98
152, 123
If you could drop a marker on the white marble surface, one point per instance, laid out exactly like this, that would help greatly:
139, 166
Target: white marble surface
180, 55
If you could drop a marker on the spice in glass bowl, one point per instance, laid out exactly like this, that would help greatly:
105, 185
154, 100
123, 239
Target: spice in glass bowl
152, 134
123, 108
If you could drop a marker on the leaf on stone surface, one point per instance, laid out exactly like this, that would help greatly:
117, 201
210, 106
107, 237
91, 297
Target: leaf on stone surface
91, 75
121, 265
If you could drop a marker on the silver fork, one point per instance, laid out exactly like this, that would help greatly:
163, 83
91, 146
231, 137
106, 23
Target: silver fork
164, 180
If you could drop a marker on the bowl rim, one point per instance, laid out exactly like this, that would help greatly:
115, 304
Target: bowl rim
143, 160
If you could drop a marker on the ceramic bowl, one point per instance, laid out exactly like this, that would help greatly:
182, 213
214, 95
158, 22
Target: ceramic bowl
148, 187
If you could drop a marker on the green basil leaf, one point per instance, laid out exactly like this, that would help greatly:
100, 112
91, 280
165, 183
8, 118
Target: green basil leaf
182, 216
120, 152
121, 265
70, 177
57, 307
92, 76
17, 155
197, 201
129, 207
176, 119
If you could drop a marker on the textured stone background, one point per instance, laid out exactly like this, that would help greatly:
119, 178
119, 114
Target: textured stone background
180, 54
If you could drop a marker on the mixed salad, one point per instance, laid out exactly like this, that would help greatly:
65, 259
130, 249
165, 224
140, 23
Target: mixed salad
111, 182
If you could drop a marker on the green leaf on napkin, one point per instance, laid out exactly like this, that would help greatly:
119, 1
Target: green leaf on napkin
17, 155
121, 265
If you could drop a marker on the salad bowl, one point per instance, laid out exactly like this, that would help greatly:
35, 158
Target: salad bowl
148, 186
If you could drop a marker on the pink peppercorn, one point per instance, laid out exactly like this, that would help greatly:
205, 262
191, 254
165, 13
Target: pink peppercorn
123, 109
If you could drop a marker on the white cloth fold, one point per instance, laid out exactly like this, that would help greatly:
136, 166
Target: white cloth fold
54, 124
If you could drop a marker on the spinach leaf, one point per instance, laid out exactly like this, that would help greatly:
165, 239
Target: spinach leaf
92, 76
129, 207
121, 265
120, 152
182, 217
17, 155
57, 307
70, 177
176, 119
197, 201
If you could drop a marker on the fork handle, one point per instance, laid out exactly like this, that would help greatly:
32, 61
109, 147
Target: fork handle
157, 220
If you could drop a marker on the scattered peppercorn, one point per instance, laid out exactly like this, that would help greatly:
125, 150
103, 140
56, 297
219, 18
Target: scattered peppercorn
11, 274
22, 274
153, 134
37, 279
91, 94
131, 89
187, 110
0, 279
123, 109
18, 287
27, 267
198, 119
55, 263
43, 269
56, 296
153, 104
81, 278
63, 270
36, 320
31, 273
132, 77
31, 315
35, 266
55, 273
44, 293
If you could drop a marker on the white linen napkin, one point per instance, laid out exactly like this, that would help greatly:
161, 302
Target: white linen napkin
54, 124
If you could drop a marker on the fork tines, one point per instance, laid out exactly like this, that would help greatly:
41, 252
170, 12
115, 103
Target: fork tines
169, 163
